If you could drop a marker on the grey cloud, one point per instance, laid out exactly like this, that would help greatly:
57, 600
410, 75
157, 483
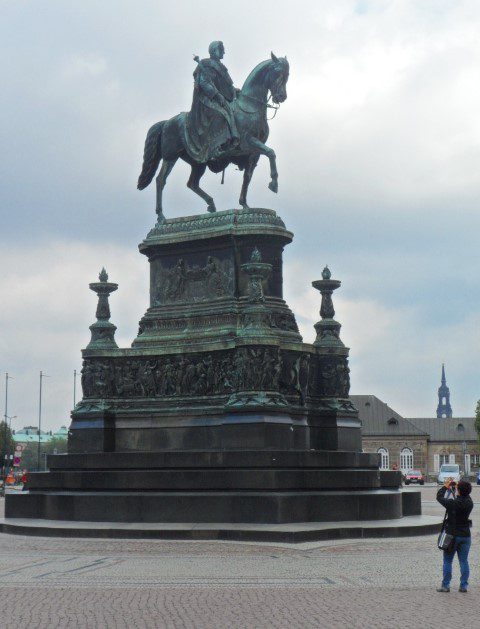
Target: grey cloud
377, 150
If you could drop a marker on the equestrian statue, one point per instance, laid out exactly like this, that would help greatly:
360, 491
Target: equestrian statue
224, 126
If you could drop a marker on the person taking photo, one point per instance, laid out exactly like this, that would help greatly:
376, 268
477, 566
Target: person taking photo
458, 508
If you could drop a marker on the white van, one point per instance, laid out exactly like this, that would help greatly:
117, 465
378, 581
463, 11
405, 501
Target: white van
449, 470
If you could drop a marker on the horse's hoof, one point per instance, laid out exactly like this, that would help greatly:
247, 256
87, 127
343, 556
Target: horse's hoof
244, 205
273, 185
211, 208
160, 218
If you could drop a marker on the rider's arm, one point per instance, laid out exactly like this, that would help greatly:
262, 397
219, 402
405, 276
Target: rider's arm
207, 86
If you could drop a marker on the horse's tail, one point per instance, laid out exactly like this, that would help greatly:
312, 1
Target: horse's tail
152, 154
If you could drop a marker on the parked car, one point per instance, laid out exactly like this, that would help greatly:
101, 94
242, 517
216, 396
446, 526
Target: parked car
414, 476
449, 470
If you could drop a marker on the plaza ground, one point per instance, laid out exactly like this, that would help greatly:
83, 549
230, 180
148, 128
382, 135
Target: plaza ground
374, 583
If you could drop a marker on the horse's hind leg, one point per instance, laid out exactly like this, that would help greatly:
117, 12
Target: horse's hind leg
161, 180
193, 183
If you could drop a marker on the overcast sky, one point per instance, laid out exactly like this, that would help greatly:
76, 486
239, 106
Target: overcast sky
378, 148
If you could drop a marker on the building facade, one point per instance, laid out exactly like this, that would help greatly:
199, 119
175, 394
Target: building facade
451, 440
417, 443
400, 444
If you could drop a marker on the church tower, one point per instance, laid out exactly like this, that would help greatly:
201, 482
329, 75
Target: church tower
444, 409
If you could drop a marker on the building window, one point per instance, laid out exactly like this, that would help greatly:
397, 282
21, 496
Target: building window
384, 459
443, 459
406, 459
475, 460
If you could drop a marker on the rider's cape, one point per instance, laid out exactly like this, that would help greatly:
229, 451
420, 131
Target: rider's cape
210, 126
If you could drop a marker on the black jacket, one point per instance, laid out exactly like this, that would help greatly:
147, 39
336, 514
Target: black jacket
458, 512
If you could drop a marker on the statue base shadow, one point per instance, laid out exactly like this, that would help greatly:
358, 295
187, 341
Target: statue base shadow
218, 413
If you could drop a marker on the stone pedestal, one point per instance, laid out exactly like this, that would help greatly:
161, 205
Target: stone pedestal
218, 412
218, 362
201, 284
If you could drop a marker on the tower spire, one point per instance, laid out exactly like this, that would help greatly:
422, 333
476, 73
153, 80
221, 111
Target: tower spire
444, 409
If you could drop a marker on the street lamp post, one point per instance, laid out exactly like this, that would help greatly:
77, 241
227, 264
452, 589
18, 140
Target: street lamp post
42, 376
10, 429
10, 417
464, 449
7, 378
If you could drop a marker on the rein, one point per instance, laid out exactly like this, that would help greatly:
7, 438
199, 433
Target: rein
266, 104
275, 108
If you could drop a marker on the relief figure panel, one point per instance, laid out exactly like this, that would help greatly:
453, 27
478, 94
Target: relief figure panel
187, 283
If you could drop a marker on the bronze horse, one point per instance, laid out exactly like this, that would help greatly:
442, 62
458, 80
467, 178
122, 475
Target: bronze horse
166, 139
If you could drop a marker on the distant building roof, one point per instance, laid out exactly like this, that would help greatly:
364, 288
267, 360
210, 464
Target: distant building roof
379, 419
29, 434
447, 428
19, 437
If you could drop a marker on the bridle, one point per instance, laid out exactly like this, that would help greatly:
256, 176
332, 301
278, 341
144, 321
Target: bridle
265, 104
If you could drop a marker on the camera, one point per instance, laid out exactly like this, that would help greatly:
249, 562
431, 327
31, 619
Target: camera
453, 484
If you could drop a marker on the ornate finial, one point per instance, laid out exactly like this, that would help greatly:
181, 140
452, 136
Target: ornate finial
256, 255
102, 330
257, 272
328, 330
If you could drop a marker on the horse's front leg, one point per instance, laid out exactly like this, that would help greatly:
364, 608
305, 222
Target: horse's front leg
263, 149
247, 175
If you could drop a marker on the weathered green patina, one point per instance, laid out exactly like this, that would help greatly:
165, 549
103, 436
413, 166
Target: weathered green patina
210, 127
225, 126
217, 344
328, 330
218, 412
103, 331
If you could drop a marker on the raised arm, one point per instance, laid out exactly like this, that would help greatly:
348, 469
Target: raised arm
445, 502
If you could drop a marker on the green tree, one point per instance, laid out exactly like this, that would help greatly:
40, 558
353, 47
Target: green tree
56, 445
29, 457
477, 419
30, 453
9, 443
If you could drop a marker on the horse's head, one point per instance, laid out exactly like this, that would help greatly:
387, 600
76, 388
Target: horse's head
277, 78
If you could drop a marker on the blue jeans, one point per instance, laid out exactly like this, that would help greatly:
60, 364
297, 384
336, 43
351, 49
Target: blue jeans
461, 547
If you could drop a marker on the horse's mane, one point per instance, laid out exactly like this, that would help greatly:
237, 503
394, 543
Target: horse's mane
256, 71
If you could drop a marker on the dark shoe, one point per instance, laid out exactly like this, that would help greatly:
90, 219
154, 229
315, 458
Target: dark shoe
462, 590
443, 589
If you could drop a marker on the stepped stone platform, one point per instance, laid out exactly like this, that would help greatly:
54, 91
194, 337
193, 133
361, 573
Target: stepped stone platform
245, 486
218, 416
274, 533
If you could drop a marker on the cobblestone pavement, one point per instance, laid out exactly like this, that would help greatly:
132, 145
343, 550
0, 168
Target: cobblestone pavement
58, 582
